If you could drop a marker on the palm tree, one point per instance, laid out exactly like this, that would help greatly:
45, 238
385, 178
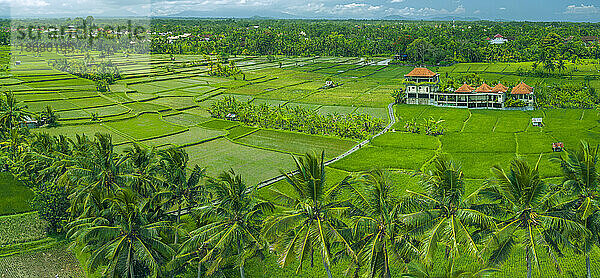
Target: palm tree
12, 111
231, 225
97, 171
310, 218
530, 218
144, 168
125, 241
183, 191
442, 214
377, 227
582, 181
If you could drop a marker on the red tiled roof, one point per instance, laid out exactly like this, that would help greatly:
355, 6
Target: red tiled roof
500, 88
420, 72
464, 89
498, 36
484, 88
522, 89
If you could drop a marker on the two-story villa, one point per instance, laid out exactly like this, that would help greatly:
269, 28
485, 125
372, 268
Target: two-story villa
421, 86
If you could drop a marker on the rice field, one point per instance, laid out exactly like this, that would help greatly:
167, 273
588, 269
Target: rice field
157, 108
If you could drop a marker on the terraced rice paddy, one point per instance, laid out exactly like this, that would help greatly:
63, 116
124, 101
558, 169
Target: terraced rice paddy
153, 107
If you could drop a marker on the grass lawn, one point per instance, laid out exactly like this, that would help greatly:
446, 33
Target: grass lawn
14, 196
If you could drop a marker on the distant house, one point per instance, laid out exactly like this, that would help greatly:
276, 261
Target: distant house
498, 39
523, 92
17, 63
536, 122
589, 39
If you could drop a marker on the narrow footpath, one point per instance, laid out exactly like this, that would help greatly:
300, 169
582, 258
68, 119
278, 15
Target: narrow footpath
392, 121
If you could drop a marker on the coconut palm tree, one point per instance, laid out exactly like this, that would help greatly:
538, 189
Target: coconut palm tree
582, 182
310, 218
442, 214
231, 224
183, 191
97, 171
377, 227
529, 215
123, 241
143, 169
12, 111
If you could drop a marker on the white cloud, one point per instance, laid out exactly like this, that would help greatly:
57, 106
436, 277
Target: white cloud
425, 12
26, 3
351, 9
582, 9
477, 12
502, 9
397, 1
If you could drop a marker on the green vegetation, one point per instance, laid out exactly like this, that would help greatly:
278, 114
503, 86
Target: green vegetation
117, 186
353, 126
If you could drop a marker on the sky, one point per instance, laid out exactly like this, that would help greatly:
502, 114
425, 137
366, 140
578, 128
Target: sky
506, 10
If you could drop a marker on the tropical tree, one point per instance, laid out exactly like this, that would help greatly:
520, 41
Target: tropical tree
12, 111
143, 169
231, 225
442, 214
530, 215
97, 173
123, 241
378, 231
311, 216
582, 182
183, 190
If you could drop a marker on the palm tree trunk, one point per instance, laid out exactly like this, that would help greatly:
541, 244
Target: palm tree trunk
177, 227
199, 267
587, 265
326, 267
387, 264
242, 275
528, 263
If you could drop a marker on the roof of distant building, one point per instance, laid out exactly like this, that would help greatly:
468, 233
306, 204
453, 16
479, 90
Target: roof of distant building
421, 72
499, 88
522, 89
484, 88
465, 88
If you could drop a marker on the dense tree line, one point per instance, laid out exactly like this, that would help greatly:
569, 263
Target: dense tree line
353, 126
124, 210
424, 42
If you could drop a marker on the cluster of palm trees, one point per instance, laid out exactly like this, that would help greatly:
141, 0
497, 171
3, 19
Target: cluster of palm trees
429, 126
221, 67
126, 212
353, 126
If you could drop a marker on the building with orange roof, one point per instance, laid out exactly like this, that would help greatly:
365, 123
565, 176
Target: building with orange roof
484, 88
500, 88
465, 88
523, 92
422, 87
